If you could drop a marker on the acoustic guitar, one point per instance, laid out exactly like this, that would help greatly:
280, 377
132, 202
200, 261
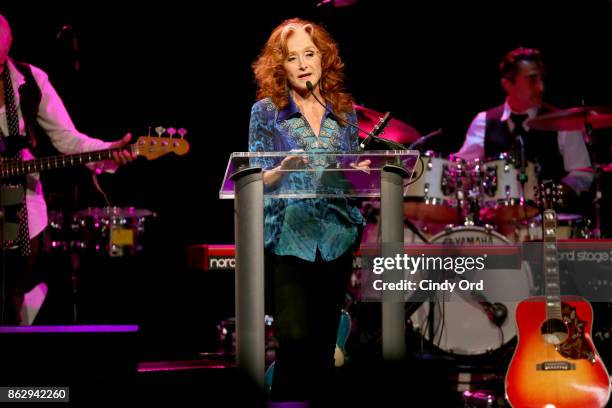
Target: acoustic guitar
555, 364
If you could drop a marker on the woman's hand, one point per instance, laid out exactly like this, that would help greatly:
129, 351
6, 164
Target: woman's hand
294, 162
363, 165
272, 177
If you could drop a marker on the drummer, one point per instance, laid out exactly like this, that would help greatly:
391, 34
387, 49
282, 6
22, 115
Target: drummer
559, 155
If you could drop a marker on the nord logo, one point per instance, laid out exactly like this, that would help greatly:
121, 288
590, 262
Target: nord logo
222, 263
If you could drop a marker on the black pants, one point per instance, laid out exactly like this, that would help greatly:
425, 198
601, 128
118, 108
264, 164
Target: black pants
18, 279
308, 297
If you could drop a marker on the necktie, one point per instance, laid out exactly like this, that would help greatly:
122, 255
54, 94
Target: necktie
12, 119
518, 119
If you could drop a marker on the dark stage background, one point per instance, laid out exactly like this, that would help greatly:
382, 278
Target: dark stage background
177, 64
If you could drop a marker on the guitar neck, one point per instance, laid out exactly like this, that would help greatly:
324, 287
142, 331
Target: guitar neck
14, 168
552, 290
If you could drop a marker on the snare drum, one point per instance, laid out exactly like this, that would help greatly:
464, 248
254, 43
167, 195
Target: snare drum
504, 198
111, 231
434, 196
461, 325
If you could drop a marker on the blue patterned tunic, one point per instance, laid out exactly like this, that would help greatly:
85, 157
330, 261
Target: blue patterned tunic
299, 227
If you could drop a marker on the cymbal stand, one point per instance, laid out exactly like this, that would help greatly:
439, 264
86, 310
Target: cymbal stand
522, 172
522, 176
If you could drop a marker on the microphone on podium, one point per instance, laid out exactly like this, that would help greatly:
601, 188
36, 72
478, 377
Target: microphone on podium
373, 135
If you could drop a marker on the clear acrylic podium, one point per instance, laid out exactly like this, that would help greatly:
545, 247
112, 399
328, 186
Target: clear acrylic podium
324, 175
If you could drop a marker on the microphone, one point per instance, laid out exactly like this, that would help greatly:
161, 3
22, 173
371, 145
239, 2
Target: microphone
370, 135
496, 312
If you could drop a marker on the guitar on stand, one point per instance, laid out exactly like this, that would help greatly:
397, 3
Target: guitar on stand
555, 363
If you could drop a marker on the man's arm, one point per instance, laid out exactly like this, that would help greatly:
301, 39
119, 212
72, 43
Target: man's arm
54, 119
576, 160
473, 146
56, 122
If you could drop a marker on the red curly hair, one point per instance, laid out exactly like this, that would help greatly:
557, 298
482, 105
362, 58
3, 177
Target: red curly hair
271, 76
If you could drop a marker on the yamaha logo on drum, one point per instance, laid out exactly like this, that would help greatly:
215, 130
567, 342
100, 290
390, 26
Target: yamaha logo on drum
469, 239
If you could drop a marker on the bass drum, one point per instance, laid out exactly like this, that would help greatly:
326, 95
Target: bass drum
461, 325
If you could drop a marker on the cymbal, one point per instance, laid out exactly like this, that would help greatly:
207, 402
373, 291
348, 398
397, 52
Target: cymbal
395, 130
125, 212
573, 119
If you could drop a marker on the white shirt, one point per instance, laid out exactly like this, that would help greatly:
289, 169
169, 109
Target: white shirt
571, 147
55, 121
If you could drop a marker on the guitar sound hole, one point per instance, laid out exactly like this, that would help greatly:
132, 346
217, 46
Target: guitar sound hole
554, 331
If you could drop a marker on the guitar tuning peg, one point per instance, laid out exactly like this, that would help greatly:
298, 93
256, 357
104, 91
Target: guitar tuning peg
160, 130
171, 131
182, 132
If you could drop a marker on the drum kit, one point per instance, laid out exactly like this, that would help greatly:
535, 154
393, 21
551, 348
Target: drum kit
106, 231
490, 201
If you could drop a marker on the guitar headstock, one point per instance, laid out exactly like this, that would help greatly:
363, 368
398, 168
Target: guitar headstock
549, 195
153, 147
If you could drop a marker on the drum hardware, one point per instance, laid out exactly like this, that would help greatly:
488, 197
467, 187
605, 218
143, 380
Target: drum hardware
579, 118
507, 195
54, 238
491, 185
459, 176
112, 231
448, 182
433, 196
415, 230
472, 217
522, 176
